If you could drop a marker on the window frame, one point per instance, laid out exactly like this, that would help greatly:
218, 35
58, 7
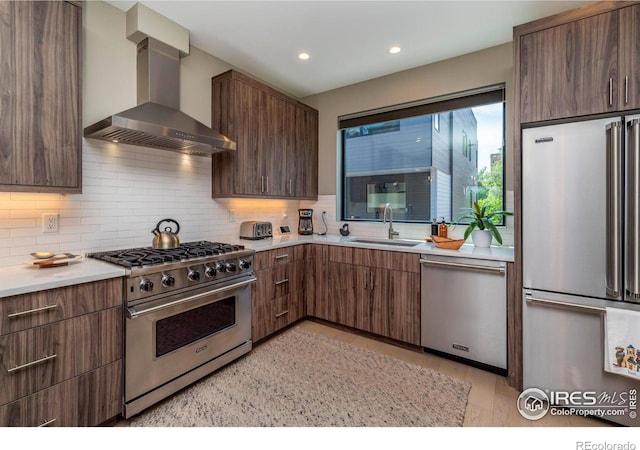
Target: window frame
430, 106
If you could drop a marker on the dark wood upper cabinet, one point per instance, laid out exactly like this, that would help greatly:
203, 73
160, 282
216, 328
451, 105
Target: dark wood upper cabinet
40, 96
276, 137
578, 63
629, 58
569, 70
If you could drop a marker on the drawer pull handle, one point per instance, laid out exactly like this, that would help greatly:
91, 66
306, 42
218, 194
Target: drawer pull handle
281, 256
31, 311
286, 280
282, 313
47, 422
38, 361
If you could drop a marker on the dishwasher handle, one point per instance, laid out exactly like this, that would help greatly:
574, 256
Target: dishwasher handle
494, 269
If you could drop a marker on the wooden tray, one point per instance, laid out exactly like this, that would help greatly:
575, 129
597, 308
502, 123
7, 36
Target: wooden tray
446, 243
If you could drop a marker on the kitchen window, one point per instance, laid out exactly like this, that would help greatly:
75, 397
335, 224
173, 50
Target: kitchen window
429, 159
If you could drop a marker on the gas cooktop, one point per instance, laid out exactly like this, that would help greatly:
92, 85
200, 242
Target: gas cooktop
148, 256
155, 272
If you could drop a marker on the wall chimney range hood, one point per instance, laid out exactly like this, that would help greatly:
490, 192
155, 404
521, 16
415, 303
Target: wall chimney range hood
157, 121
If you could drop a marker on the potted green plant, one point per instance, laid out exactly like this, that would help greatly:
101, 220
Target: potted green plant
482, 219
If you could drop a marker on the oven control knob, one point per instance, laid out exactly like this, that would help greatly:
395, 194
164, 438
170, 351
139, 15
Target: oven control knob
231, 267
168, 281
193, 275
245, 264
146, 285
221, 267
210, 271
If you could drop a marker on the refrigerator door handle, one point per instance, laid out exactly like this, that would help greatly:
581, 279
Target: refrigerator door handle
614, 210
633, 211
548, 302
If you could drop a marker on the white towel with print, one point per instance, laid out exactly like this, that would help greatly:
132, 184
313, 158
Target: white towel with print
622, 342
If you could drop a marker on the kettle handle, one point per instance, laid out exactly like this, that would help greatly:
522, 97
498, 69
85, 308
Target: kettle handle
168, 220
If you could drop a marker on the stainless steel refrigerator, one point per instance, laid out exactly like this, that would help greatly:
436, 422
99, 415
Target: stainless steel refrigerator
580, 223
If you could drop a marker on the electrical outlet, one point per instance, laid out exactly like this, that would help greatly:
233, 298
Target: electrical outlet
50, 222
232, 215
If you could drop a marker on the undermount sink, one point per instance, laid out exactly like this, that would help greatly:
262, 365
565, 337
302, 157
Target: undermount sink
396, 242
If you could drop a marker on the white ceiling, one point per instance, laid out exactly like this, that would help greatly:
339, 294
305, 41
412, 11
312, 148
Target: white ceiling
348, 40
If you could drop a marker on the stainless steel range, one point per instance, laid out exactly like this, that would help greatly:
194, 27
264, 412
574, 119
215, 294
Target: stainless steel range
187, 313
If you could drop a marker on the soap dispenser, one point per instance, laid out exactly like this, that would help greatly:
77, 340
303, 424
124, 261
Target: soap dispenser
443, 229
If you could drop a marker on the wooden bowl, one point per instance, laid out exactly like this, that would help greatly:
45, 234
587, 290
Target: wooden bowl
446, 243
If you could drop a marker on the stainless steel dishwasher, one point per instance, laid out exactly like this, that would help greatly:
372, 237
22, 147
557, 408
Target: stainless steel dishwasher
464, 309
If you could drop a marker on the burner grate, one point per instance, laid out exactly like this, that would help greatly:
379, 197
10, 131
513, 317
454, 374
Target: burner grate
149, 256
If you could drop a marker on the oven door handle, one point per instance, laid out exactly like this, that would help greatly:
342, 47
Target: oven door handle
132, 313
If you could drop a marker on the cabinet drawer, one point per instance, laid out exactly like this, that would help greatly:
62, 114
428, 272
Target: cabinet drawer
277, 257
54, 407
278, 281
270, 317
87, 400
36, 359
20, 312
40, 357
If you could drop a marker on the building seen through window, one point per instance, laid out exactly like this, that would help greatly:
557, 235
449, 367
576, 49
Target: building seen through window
427, 166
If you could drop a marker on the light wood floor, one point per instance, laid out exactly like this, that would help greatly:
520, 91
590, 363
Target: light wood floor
492, 402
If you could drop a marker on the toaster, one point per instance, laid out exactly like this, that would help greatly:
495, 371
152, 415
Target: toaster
255, 230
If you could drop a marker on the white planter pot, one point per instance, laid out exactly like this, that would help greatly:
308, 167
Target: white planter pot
481, 238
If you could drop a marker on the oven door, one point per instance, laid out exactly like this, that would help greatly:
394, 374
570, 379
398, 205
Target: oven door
169, 337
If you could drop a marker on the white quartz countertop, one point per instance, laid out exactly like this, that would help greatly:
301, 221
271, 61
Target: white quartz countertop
495, 253
25, 278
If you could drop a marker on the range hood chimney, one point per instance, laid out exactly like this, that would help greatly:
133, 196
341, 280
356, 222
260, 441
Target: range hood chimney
157, 121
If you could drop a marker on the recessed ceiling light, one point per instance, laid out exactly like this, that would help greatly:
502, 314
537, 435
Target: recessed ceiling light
303, 56
394, 50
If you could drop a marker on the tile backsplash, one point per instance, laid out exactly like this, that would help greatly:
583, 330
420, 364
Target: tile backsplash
127, 190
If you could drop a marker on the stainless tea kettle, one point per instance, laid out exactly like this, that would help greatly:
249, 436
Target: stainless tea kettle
167, 238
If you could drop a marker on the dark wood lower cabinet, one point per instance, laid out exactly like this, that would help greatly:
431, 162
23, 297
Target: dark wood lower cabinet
367, 295
62, 368
395, 307
277, 314
277, 299
36, 359
372, 290
343, 294
316, 280
87, 400
99, 395
49, 407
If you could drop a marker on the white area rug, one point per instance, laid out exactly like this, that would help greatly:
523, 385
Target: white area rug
300, 379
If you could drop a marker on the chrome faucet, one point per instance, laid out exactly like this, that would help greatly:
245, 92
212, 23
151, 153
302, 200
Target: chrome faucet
388, 207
